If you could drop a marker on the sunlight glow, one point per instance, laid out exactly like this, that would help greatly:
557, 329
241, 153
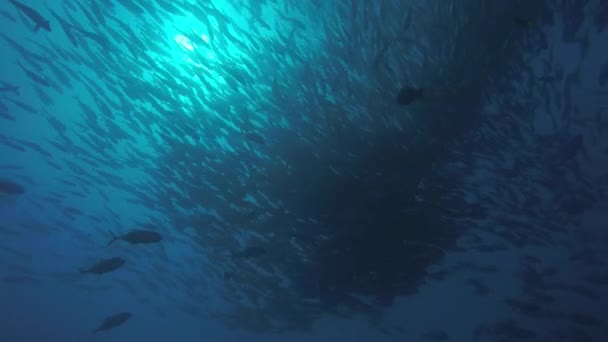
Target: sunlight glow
184, 42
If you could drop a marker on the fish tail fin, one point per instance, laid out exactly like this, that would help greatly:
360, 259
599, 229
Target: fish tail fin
114, 238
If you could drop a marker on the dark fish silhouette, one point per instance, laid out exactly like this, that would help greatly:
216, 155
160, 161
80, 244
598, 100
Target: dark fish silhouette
9, 88
105, 266
113, 321
138, 237
407, 95
10, 187
38, 19
573, 147
34, 76
7, 16
522, 23
250, 252
254, 137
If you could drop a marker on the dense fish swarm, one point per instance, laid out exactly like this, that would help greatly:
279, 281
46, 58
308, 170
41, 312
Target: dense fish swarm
298, 160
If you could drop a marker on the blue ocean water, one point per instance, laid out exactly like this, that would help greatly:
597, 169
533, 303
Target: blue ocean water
297, 196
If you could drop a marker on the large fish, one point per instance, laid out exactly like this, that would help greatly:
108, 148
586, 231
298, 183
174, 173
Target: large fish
113, 321
408, 95
250, 252
105, 266
10, 188
36, 17
138, 237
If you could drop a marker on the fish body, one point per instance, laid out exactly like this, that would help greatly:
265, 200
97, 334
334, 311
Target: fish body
138, 237
250, 252
113, 321
36, 17
254, 137
34, 76
408, 95
522, 23
105, 266
9, 89
10, 187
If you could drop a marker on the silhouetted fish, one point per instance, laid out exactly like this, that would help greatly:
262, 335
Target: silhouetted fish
522, 23
407, 95
250, 252
38, 19
113, 321
254, 137
10, 187
105, 266
138, 236
9, 88
7, 16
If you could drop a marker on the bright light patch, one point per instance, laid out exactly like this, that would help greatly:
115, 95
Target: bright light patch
191, 61
184, 42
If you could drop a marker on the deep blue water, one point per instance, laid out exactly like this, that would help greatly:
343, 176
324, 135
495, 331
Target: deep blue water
477, 213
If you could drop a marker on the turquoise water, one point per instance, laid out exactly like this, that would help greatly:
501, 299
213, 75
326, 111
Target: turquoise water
296, 199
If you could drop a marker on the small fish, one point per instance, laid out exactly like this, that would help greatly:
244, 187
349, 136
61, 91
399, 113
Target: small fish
254, 137
10, 187
572, 148
9, 88
26, 107
585, 319
138, 237
36, 17
113, 321
522, 23
34, 76
7, 116
8, 16
250, 252
105, 266
408, 95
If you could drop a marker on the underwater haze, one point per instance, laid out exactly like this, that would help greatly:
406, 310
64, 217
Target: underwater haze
319, 170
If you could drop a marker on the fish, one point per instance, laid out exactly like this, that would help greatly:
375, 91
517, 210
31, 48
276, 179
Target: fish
38, 19
11, 188
105, 266
522, 22
9, 88
8, 16
33, 76
408, 95
250, 252
254, 137
7, 116
585, 319
138, 237
113, 321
